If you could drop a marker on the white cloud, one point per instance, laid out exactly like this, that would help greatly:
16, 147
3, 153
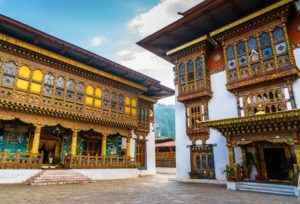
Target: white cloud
159, 16
97, 41
147, 23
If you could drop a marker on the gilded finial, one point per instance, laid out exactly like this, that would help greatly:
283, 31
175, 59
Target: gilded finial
260, 110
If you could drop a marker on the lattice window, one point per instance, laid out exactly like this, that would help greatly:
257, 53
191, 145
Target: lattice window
133, 107
48, 84
80, 92
60, 87
98, 98
10, 69
196, 112
257, 54
121, 103
23, 78
106, 98
89, 96
272, 99
70, 90
113, 101
36, 81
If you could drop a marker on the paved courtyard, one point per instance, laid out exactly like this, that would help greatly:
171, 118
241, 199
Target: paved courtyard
156, 189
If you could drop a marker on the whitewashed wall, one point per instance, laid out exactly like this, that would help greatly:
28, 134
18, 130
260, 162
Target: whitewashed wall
150, 152
296, 85
9, 176
222, 105
183, 163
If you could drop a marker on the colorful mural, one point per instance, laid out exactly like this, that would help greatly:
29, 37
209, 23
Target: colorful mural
113, 145
80, 147
66, 148
14, 139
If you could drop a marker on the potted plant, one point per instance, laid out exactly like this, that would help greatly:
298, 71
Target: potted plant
229, 173
294, 177
193, 175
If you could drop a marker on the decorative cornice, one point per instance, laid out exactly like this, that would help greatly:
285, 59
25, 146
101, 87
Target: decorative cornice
50, 112
146, 98
186, 45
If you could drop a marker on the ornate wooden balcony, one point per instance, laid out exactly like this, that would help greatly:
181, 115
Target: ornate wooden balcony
259, 77
27, 102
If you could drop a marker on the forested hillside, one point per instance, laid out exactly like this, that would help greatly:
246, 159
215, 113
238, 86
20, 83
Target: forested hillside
164, 120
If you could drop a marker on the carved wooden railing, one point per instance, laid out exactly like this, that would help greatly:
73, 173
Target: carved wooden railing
165, 159
98, 162
20, 160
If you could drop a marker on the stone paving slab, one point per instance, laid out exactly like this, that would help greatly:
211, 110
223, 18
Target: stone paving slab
155, 189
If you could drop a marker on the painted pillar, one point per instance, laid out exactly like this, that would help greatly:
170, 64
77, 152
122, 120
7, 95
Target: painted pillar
36, 139
103, 149
244, 158
128, 147
297, 154
74, 142
231, 155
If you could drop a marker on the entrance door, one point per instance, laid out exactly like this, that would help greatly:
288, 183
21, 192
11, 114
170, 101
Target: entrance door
275, 160
140, 153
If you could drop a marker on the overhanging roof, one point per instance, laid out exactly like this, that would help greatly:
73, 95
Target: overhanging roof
43, 40
199, 21
278, 121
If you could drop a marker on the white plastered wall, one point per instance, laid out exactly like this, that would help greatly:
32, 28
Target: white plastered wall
222, 105
296, 84
150, 168
183, 163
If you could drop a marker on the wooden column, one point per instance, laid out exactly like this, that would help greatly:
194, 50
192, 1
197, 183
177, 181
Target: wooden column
103, 149
297, 155
36, 139
244, 157
74, 142
128, 147
231, 155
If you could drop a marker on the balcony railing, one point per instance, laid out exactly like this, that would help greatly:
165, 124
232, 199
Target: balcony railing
99, 162
20, 160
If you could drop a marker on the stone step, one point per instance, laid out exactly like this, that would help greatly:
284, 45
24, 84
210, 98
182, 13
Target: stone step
267, 188
267, 191
52, 177
266, 185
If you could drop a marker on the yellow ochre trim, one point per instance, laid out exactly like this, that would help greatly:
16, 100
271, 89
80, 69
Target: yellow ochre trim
250, 17
188, 44
68, 61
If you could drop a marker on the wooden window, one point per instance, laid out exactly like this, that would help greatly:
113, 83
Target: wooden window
121, 103
195, 112
70, 90
106, 99
89, 96
98, 98
80, 92
60, 87
127, 105
9, 74
36, 81
48, 84
260, 54
272, 99
23, 78
133, 107
113, 101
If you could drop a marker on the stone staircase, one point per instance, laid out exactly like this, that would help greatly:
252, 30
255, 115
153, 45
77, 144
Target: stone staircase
267, 188
52, 177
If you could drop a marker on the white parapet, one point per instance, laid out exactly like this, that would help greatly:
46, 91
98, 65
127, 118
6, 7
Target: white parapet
296, 84
10, 176
109, 174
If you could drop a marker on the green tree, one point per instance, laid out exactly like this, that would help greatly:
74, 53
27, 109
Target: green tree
164, 117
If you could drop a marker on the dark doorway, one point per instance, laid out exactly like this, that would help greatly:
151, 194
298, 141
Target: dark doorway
275, 159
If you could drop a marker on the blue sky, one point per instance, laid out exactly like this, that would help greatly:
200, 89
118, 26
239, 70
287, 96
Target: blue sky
109, 28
